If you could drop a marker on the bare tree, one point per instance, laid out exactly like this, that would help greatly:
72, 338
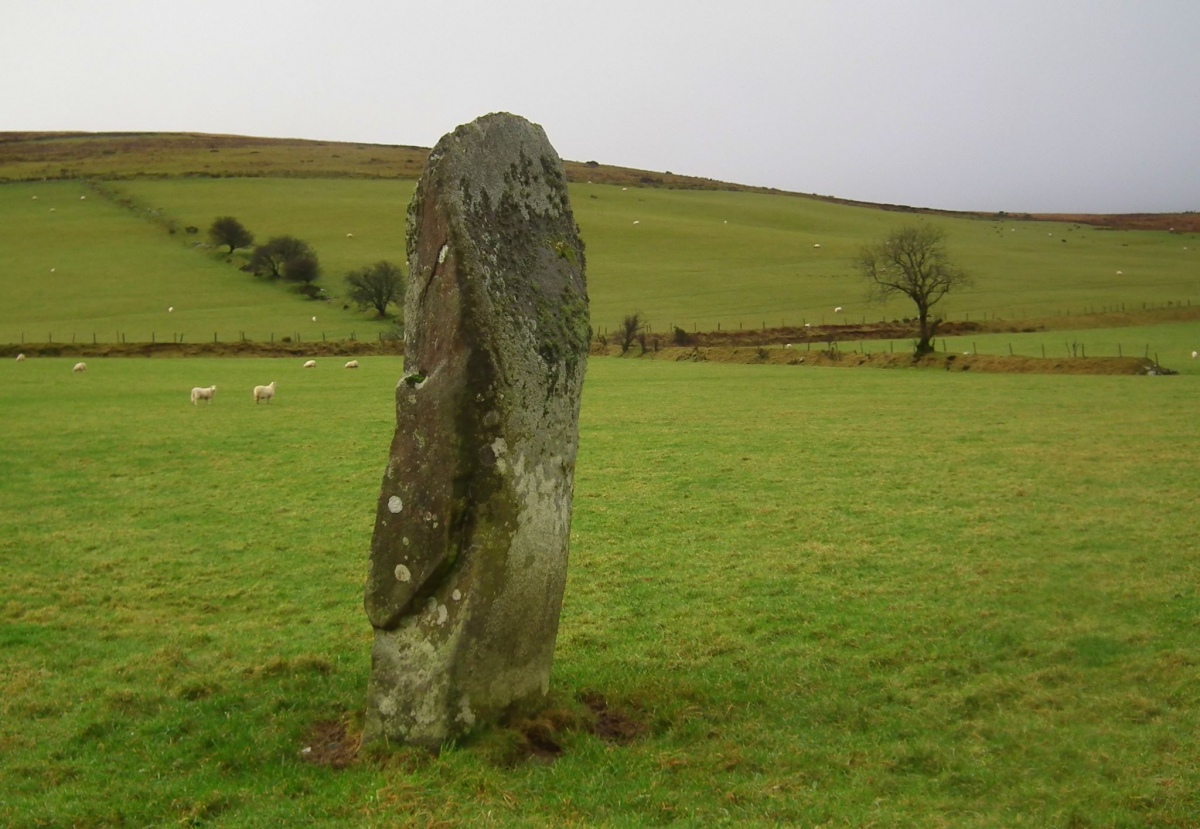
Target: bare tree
913, 261
631, 326
376, 286
226, 230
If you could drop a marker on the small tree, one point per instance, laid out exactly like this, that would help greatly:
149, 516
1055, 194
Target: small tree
913, 261
376, 286
304, 269
631, 326
272, 259
226, 230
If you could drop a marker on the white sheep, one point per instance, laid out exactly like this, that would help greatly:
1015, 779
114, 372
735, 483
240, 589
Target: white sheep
349, 235
789, 345
311, 364
199, 394
314, 319
170, 309
264, 392
20, 358
817, 245
352, 364
1194, 353
80, 367
837, 310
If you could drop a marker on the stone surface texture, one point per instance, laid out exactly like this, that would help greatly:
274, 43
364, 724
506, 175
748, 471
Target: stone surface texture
469, 555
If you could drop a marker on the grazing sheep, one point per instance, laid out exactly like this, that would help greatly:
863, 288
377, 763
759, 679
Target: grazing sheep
170, 309
264, 393
311, 364
789, 345
837, 310
352, 364
80, 367
817, 245
349, 235
20, 358
314, 319
199, 394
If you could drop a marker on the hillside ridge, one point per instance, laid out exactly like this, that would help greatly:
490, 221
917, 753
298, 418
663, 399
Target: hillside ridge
34, 155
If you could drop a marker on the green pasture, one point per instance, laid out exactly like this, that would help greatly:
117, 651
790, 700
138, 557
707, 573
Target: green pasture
830, 597
696, 259
73, 265
703, 258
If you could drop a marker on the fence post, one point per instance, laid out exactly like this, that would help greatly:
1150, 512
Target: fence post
1043, 351
1010, 351
1119, 354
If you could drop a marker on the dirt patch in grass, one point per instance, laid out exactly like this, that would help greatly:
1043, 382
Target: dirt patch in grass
947, 362
611, 724
330, 743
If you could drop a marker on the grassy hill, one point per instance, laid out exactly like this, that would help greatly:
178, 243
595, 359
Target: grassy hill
691, 253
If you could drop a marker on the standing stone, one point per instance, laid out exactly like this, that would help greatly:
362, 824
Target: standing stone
469, 557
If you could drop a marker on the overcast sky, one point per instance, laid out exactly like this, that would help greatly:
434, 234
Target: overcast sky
1020, 105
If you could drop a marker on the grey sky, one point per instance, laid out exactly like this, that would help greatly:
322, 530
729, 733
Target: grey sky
1022, 105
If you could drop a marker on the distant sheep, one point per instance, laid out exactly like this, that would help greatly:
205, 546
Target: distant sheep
817, 245
311, 364
264, 393
349, 235
80, 367
789, 345
352, 364
199, 394
20, 358
170, 309
837, 310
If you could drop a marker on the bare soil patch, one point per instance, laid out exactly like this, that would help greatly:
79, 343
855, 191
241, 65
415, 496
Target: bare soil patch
329, 743
760, 355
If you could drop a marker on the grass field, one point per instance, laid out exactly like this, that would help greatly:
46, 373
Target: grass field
703, 258
829, 598
690, 258
76, 266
